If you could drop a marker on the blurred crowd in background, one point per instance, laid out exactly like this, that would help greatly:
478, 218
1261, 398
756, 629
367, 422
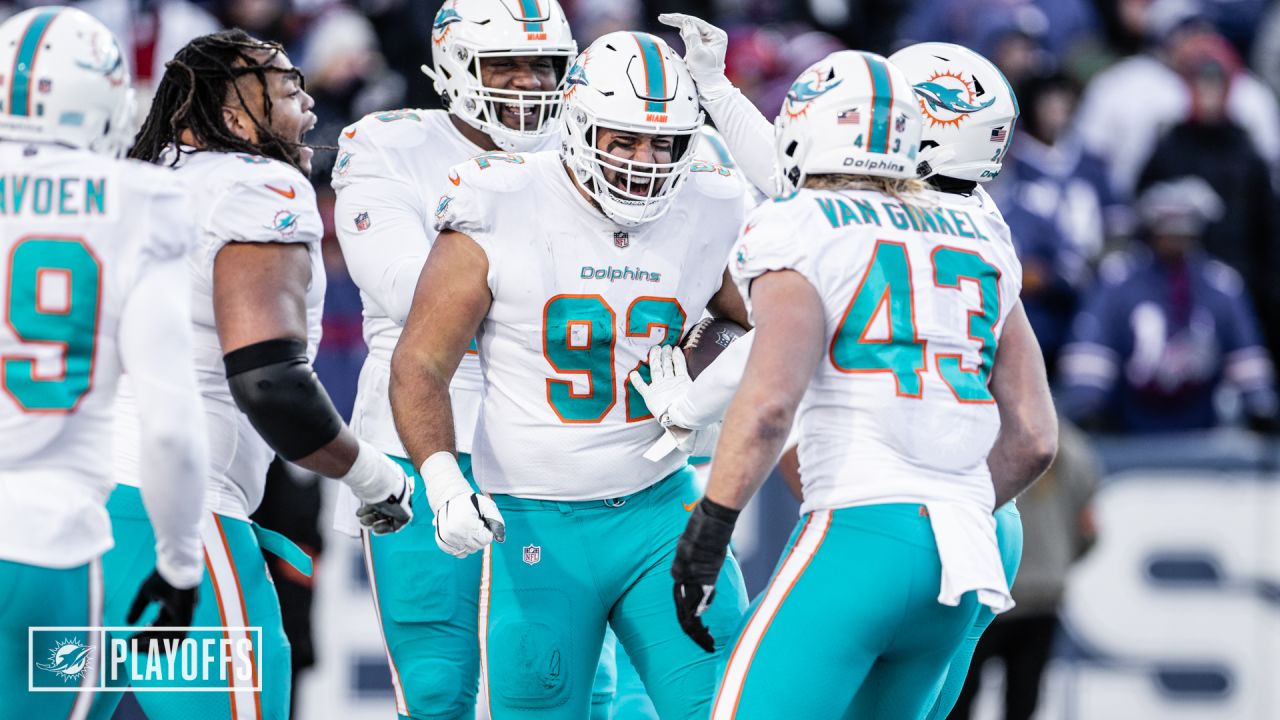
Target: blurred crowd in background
1139, 187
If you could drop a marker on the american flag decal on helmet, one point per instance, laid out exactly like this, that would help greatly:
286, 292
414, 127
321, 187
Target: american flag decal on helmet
849, 117
999, 134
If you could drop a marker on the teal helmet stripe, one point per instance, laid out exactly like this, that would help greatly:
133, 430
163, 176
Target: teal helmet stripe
881, 104
655, 72
530, 11
24, 61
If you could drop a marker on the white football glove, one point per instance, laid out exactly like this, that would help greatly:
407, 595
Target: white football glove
668, 379
705, 46
384, 490
465, 520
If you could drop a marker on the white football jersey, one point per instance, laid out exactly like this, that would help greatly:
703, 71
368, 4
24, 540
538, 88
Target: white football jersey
916, 296
391, 170
76, 232
237, 198
577, 303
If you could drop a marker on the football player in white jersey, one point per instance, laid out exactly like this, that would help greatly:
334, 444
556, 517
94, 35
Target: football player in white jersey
566, 267
970, 112
904, 352
91, 252
229, 116
499, 66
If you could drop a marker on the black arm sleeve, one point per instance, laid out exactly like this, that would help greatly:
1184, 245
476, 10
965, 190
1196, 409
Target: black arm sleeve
273, 383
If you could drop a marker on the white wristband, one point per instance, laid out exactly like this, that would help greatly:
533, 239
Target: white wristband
444, 479
373, 477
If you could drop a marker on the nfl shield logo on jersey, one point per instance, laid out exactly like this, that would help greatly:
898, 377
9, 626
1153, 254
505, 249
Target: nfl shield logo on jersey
362, 221
532, 554
621, 239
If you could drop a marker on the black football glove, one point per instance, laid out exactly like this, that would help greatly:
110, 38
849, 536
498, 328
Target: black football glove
699, 556
177, 607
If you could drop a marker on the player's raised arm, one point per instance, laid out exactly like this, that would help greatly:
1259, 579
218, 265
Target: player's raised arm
1028, 439
746, 130
451, 300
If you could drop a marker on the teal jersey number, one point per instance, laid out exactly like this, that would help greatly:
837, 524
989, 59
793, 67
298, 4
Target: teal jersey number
71, 322
886, 289
950, 266
644, 314
887, 285
578, 339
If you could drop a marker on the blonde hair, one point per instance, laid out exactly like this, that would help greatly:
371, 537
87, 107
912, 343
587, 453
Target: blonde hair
896, 188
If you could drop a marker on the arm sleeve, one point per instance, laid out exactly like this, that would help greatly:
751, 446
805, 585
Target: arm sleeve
708, 398
155, 349
385, 240
749, 135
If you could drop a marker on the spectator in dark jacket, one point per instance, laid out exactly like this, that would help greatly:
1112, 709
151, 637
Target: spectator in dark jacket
1209, 145
1166, 328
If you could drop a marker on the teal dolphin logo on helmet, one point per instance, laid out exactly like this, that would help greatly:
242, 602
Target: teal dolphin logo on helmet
445, 18
577, 75
803, 92
940, 96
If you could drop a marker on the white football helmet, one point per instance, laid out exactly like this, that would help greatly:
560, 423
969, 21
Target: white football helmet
68, 84
969, 110
633, 82
465, 31
850, 113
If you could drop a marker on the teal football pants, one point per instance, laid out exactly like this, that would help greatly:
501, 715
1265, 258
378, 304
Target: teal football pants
1009, 538
569, 568
32, 596
426, 602
854, 598
236, 591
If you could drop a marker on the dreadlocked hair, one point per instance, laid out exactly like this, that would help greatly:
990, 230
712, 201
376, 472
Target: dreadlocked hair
194, 90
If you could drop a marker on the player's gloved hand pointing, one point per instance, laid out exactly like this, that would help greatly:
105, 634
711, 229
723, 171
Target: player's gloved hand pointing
705, 46
699, 556
177, 607
465, 520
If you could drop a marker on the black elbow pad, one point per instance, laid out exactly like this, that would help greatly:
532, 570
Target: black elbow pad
273, 383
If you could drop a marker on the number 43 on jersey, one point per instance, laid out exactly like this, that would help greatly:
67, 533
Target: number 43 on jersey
887, 289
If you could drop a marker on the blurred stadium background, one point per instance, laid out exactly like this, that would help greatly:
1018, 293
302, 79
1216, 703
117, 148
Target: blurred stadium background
1140, 192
